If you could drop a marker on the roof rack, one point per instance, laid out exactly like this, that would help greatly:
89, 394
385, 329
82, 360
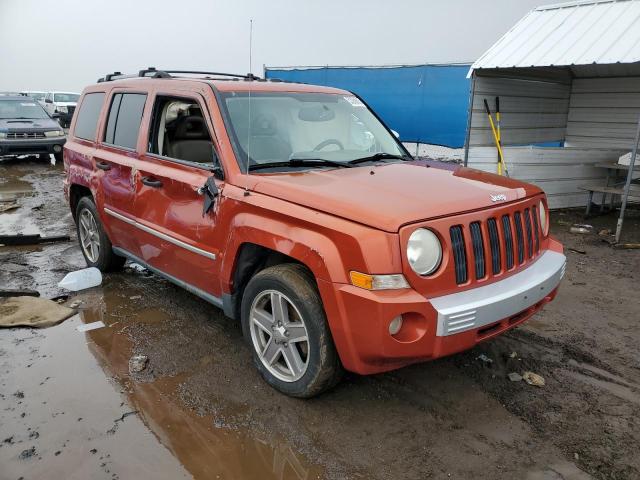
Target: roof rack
153, 72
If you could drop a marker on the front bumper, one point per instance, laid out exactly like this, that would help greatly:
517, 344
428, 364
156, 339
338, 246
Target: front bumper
32, 146
439, 326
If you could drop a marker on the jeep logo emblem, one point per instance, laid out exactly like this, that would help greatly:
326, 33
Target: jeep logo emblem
501, 197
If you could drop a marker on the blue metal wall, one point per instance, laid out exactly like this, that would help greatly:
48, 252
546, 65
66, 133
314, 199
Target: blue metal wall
426, 103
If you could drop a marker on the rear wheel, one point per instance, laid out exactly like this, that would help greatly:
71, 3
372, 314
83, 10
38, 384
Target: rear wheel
284, 321
94, 243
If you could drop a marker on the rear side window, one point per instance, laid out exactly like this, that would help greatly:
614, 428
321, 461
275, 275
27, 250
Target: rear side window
125, 116
88, 115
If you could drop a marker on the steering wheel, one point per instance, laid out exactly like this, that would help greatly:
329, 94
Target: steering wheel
326, 143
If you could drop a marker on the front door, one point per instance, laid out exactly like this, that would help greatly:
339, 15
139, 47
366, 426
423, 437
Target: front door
116, 163
175, 235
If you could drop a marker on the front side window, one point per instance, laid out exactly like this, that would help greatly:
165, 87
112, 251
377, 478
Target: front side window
88, 115
125, 117
280, 127
65, 97
21, 109
179, 130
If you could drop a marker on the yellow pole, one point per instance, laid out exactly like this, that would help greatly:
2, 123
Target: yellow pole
496, 138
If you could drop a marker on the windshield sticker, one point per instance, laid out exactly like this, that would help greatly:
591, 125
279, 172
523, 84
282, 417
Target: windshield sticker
28, 104
354, 101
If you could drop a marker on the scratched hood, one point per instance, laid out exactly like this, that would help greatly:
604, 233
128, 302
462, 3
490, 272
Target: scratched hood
394, 194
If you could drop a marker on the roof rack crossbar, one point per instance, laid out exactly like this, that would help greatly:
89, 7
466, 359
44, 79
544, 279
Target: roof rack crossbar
153, 72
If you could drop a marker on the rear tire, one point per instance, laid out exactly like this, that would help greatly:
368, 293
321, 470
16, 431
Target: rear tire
94, 243
302, 337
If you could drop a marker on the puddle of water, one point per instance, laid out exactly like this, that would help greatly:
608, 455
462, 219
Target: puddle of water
205, 450
61, 414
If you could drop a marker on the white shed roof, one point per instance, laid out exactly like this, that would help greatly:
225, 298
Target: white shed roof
576, 33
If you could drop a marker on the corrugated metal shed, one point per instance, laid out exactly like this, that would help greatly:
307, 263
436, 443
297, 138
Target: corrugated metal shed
590, 32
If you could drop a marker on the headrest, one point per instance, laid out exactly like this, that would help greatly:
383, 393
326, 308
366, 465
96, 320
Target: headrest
190, 127
264, 124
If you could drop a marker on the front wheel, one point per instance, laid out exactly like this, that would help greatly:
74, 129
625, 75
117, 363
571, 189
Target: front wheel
284, 321
94, 243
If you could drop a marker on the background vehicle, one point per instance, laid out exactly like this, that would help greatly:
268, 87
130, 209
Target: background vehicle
61, 105
25, 128
305, 218
38, 96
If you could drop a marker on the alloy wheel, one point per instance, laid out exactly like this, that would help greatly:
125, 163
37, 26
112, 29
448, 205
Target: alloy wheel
279, 335
89, 236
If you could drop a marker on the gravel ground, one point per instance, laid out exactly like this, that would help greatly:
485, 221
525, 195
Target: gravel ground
200, 409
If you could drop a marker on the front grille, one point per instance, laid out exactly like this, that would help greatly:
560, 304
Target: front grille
70, 110
508, 236
24, 135
459, 254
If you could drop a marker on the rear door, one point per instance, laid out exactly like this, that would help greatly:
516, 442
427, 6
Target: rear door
116, 161
176, 236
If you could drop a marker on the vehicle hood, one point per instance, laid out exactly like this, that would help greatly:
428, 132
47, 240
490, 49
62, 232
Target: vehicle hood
387, 196
37, 124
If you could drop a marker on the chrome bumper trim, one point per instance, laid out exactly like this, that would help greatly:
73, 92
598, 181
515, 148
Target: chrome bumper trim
481, 306
161, 235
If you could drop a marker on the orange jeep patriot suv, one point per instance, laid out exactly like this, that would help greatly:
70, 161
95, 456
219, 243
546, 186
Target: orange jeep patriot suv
297, 211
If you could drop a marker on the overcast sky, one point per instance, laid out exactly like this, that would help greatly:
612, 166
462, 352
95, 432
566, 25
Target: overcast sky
67, 44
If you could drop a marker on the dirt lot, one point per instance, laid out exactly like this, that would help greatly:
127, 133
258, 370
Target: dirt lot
69, 408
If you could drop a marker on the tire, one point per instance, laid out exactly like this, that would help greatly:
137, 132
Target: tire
58, 157
293, 284
103, 258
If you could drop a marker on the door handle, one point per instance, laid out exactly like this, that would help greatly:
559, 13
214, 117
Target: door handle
151, 182
103, 165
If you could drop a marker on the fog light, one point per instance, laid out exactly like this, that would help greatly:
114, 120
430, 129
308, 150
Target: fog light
57, 148
395, 325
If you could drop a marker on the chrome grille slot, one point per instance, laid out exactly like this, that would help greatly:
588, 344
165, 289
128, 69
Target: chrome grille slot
494, 242
478, 249
527, 229
508, 240
536, 231
459, 254
519, 236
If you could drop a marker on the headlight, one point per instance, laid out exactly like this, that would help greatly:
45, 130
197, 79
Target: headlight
3, 135
544, 218
424, 251
61, 109
54, 133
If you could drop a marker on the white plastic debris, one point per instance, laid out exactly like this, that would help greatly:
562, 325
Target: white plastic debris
138, 363
81, 279
86, 327
515, 377
483, 358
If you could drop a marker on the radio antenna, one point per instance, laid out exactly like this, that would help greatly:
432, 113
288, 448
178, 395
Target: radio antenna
250, 85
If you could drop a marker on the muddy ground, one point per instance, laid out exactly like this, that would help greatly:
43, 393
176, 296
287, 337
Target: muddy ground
69, 408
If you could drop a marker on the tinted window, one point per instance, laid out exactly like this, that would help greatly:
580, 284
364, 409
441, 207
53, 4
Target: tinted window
124, 121
88, 116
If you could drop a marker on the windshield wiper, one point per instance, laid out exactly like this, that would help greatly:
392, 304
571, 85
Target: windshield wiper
379, 156
301, 162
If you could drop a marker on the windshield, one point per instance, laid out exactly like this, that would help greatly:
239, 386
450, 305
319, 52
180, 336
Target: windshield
26, 108
282, 126
65, 97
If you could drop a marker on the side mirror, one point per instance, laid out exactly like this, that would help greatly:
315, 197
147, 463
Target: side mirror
48, 100
210, 191
397, 135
